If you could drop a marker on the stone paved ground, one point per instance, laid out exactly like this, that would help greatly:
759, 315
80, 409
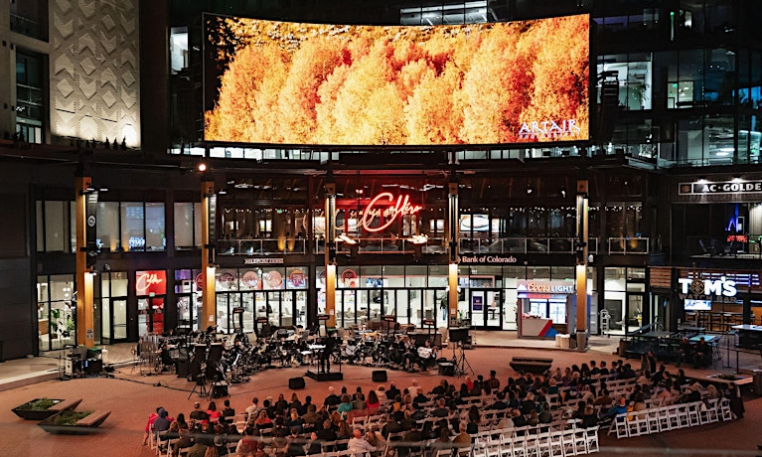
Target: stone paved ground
132, 397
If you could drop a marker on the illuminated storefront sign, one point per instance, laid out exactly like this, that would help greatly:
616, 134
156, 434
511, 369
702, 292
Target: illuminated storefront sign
387, 210
151, 282
549, 130
708, 289
545, 287
488, 259
724, 187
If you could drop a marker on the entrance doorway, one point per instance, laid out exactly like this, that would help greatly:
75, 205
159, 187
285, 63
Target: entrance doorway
151, 315
114, 320
486, 308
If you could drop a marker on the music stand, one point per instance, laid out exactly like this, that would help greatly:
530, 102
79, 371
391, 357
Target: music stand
430, 324
459, 337
389, 319
324, 319
238, 311
259, 327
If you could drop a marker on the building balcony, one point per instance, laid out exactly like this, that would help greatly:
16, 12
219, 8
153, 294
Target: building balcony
28, 27
524, 245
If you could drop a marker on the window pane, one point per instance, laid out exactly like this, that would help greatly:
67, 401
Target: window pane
107, 227
55, 226
184, 225
155, 235
197, 222
40, 229
73, 227
133, 236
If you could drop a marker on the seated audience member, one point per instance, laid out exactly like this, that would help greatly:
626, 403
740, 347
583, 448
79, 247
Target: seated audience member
685, 352
702, 356
463, 439
620, 407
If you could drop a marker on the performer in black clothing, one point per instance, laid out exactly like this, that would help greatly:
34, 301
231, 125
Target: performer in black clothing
325, 356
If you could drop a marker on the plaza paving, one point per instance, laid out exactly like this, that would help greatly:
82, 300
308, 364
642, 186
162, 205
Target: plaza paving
131, 397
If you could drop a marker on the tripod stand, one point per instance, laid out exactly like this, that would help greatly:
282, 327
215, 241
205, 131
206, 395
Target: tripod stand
200, 386
459, 361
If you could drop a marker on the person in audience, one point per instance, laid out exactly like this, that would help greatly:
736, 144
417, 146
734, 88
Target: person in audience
345, 406
590, 419
594, 370
702, 355
253, 409
372, 403
518, 419
211, 411
198, 449
332, 399
327, 433
311, 418
685, 351
151, 419
463, 439
392, 392
620, 407
198, 414
373, 437
603, 370
358, 404
227, 412
161, 424
344, 432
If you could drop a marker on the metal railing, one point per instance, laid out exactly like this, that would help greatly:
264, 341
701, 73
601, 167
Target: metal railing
261, 246
24, 26
524, 245
628, 245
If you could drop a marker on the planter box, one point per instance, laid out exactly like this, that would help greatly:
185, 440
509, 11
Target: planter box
74, 422
58, 405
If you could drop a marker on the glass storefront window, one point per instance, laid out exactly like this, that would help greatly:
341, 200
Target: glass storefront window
226, 279
297, 278
107, 228
56, 312
187, 225
273, 278
132, 219
155, 234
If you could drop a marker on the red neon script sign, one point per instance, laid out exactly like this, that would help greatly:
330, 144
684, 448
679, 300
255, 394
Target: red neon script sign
150, 281
393, 210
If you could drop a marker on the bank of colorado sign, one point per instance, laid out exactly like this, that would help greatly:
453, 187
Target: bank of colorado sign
487, 259
719, 188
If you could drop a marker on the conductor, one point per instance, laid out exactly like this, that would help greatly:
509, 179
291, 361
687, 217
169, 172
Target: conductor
325, 356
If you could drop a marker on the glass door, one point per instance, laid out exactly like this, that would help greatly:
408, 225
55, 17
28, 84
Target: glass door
486, 308
117, 315
635, 303
150, 315
273, 308
300, 308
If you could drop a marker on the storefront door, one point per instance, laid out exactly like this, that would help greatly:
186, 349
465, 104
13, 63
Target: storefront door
486, 308
114, 320
151, 315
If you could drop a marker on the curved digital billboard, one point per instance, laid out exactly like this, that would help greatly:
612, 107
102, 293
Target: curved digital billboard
475, 84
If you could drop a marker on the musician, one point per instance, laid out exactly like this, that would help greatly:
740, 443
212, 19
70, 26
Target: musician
325, 356
426, 355
165, 357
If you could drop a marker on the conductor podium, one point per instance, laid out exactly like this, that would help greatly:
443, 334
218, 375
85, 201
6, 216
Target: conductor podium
319, 368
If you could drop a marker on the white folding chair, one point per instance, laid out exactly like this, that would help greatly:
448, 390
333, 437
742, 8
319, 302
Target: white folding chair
725, 412
620, 426
694, 413
580, 441
710, 413
591, 442
151, 438
556, 446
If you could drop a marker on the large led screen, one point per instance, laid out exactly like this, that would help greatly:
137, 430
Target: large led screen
475, 84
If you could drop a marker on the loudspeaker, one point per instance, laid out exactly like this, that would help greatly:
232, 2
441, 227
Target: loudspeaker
446, 369
379, 376
183, 368
296, 383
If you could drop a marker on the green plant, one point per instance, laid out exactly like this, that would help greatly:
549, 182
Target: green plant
40, 404
70, 417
